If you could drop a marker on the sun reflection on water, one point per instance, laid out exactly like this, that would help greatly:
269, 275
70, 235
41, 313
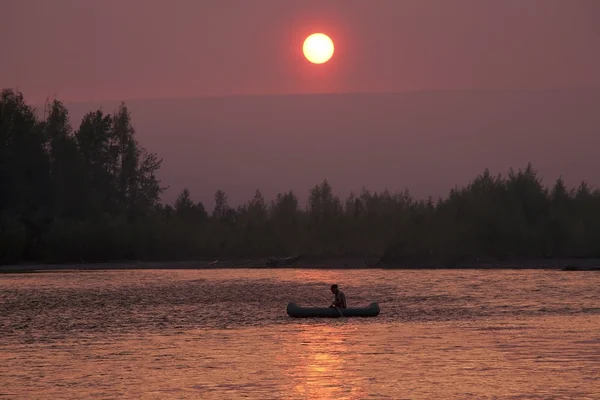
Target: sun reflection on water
320, 370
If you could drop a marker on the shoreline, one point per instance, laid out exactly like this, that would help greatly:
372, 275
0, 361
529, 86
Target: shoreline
323, 264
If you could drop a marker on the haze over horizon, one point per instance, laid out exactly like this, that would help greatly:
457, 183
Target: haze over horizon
427, 142
222, 92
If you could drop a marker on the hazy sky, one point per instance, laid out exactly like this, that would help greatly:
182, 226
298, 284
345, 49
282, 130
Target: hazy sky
94, 51
122, 49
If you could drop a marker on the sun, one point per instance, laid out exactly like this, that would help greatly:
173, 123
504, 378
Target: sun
318, 48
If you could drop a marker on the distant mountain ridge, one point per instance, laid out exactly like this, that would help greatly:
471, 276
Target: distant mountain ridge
427, 142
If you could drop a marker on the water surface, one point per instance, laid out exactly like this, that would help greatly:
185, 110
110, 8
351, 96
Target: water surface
224, 334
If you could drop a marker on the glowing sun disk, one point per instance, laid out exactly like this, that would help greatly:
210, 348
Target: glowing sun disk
318, 48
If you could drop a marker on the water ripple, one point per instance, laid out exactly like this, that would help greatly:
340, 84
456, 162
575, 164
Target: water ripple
224, 334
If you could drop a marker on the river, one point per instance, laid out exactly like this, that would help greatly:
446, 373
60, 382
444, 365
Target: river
224, 334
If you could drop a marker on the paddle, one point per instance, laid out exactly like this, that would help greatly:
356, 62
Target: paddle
340, 311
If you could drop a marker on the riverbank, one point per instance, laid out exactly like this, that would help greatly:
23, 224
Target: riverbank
336, 263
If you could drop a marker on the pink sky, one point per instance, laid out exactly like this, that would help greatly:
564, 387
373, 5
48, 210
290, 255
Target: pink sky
428, 140
124, 49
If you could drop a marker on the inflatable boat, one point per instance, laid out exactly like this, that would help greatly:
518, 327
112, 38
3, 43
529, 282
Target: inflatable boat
315, 312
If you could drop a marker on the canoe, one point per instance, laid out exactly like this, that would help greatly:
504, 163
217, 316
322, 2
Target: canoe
279, 262
295, 311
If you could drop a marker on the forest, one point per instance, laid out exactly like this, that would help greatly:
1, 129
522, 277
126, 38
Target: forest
91, 194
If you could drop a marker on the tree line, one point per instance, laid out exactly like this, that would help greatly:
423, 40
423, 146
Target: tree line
91, 194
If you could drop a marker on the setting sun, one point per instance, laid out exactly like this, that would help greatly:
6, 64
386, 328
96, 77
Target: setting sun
318, 48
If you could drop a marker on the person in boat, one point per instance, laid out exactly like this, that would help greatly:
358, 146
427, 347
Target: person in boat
340, 298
